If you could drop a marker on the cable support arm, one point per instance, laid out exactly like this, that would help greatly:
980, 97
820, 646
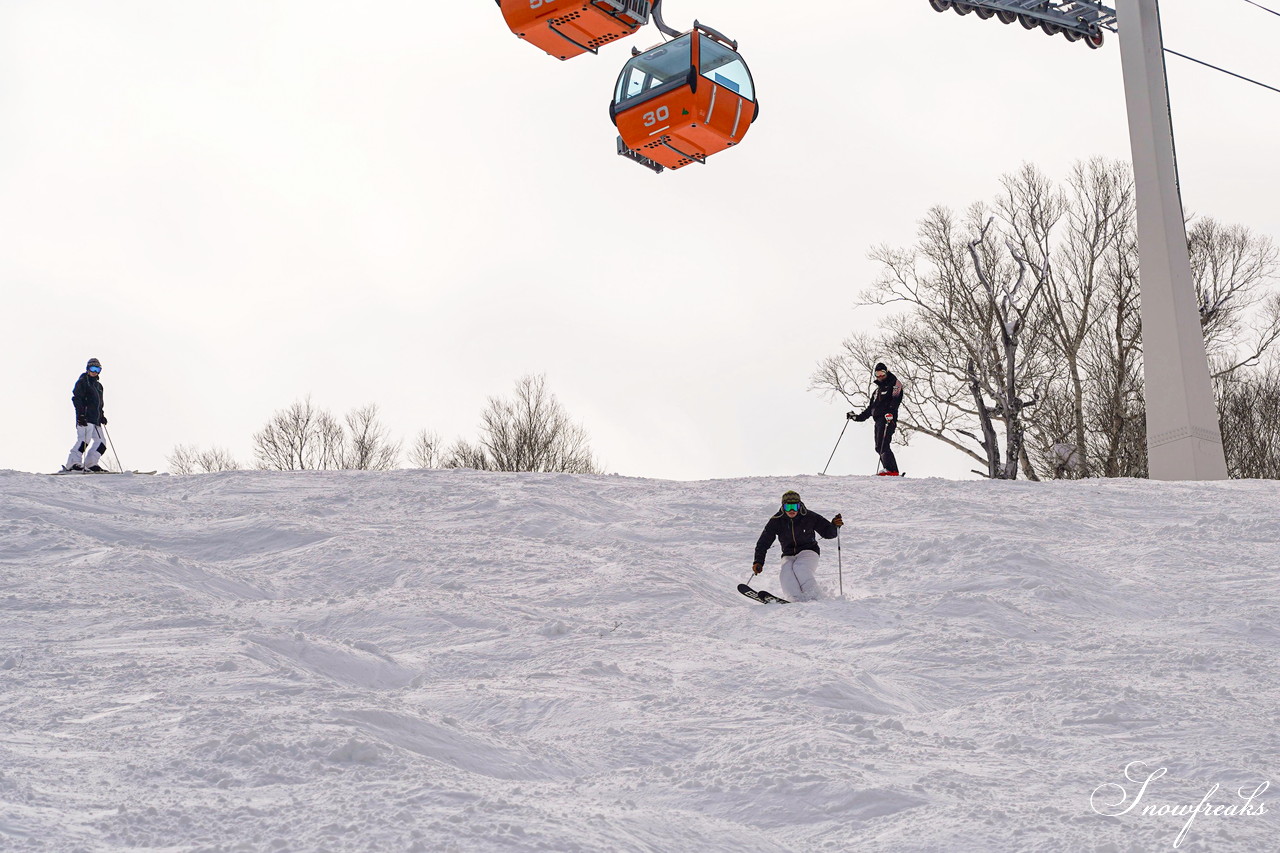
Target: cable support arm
661, 24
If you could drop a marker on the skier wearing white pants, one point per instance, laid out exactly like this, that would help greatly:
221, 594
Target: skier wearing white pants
798, 581
87, 397
795, 526
88, 449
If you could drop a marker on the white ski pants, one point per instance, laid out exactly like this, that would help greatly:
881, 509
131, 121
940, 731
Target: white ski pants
798, 582
89, 447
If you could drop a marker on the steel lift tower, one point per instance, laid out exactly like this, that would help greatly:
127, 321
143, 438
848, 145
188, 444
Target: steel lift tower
1183, 438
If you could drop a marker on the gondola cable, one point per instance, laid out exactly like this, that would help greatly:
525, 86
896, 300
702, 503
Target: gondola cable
1223, 70
1263, 8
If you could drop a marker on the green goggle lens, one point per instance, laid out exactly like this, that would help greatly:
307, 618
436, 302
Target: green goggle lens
791, 507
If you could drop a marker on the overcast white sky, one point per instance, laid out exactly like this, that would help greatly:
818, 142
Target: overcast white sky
235, 204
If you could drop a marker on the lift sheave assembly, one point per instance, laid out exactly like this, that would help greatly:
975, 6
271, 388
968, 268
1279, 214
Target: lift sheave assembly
675, 104
1074, 20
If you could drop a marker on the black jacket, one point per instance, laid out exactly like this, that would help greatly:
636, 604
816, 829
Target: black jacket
885, 400
795, 534
87, 398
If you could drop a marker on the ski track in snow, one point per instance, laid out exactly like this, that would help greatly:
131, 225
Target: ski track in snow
457, 661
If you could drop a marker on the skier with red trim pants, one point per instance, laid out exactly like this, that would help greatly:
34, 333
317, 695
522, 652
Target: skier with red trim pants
794, 527
885, 401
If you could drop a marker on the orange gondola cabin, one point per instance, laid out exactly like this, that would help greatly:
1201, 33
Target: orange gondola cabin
683, 101
569, 28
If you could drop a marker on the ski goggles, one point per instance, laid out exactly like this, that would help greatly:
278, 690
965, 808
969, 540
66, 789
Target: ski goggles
95, 369
791, 507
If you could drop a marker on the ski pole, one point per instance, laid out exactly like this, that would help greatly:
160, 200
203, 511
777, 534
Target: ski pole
105, 432
840, 562
834, 449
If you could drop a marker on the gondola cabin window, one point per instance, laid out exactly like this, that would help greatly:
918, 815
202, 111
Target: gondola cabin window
655, 72
725, 67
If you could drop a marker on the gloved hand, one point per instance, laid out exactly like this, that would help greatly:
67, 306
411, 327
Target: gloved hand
887, 417
757, 568
852, 416
102, 421
81, 421
837, 520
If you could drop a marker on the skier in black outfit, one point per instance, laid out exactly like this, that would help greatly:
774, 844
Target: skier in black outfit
87, 397
794, 527
885, 401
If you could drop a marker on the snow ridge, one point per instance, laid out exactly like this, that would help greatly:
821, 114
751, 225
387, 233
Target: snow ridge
461, 661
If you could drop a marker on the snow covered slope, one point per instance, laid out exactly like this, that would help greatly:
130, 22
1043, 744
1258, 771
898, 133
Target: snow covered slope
455, 661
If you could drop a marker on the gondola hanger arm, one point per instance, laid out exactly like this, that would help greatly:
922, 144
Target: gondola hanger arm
661, 24
697, 25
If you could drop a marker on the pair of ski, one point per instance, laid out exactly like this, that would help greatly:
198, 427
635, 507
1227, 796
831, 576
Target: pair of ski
760, 595
95, 473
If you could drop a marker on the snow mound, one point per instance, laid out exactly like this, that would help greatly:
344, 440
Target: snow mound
458, 661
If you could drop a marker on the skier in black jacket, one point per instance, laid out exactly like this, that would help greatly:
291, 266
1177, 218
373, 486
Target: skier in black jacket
794, 527
885, 401
91, 416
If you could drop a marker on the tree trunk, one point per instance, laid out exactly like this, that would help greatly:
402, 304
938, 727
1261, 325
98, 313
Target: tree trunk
1012, 406
990, 444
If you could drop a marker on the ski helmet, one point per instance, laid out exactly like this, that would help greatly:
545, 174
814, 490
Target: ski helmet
93, 362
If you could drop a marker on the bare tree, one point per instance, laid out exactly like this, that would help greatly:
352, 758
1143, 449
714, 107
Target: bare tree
182, 460
1111, 357
303, 437
1249, 406
1240, 316
1077, 234
464, 454
1081, 342
368, 446
331, 441
294, 439
531, 431
967, 334
427, 450
191, 460
1013, 304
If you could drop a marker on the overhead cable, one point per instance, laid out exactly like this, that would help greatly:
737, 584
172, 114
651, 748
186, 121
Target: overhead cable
1223, 70
1263, 8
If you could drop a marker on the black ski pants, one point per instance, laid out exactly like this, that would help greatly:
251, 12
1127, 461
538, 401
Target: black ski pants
884, 433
